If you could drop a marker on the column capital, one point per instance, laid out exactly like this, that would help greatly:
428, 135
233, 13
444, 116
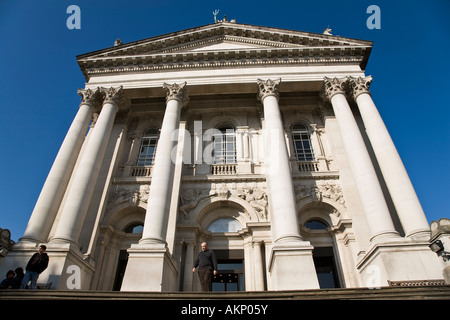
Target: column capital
267, 88
90, 97
359, 85
334, 86
176, 92
113, 95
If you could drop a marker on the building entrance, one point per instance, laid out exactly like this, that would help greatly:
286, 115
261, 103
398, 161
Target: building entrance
230, 273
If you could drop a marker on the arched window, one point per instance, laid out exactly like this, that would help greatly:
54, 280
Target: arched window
301, 139
316, 225
224, 144
134, 228
148, 147
224, 225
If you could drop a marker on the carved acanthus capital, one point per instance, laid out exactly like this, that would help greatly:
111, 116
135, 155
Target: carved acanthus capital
90, 97
334, 86
359, 85
267, 88
177, 92
113, 95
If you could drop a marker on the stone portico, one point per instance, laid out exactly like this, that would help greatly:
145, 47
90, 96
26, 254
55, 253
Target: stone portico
263, 142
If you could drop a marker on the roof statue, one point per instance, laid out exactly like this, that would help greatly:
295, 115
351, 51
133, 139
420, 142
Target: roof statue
215, 13
327, 31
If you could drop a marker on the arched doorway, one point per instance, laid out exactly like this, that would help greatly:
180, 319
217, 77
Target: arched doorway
228, 226
121, 228
316, 226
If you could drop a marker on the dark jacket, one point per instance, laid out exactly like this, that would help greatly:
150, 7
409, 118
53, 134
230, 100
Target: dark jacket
206, 259
37, 263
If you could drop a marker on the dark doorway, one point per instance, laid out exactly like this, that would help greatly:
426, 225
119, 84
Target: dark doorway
230, 273
326, 268
121, 266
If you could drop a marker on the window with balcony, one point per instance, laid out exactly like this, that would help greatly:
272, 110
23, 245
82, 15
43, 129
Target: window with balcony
147, 148
224, 145
301, 139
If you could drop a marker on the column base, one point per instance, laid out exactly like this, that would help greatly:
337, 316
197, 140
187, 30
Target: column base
401, 260
149, 268
291, 267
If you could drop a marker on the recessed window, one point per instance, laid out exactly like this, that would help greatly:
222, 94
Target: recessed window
147, 148
301, 139
224, 225
224, 144
316, 225
134, 228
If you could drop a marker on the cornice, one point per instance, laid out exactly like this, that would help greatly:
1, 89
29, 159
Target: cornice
269, 46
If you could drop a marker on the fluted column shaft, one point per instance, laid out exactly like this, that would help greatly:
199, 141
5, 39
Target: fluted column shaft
82, 186
402, 192
50, 198
158, 206
278, 174
370, 193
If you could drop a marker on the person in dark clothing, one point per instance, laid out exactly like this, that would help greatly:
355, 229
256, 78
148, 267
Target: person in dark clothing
9, 281
207, 266
36, 265
18, 278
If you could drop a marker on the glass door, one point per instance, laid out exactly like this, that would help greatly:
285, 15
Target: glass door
229, 277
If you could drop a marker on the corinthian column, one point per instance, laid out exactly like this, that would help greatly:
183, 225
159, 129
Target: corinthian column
402, 192
82, 186
278, 174
49, 200
289, 253
372, 200
156, 218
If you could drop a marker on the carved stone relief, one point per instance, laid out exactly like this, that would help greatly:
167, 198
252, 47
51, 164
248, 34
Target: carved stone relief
254, 195
317, 193
133, 196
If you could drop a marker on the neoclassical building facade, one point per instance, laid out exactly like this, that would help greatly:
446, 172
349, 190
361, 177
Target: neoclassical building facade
263, 142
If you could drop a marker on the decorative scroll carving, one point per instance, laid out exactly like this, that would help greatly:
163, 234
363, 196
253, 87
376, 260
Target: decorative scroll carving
176, 92
359, 85
268, 88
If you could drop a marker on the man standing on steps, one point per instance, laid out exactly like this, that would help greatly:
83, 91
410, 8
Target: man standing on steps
36, 265
207, 266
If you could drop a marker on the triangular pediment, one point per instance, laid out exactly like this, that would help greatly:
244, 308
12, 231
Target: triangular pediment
223, 41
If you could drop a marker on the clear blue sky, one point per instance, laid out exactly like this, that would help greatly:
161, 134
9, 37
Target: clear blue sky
40, 76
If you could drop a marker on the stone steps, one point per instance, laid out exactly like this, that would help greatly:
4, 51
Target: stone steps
390, 293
